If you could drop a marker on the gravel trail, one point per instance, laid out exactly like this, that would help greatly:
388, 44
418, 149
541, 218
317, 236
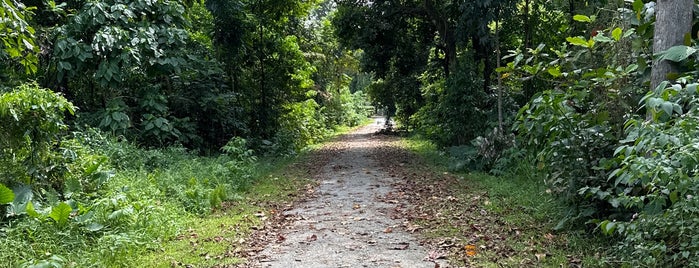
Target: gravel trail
348, 223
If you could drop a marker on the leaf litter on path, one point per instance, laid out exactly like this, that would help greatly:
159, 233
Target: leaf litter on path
342, 221
375, 204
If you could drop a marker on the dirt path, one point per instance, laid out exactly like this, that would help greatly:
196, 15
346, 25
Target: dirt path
348, 223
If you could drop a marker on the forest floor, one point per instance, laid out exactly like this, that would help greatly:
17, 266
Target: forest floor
372, 202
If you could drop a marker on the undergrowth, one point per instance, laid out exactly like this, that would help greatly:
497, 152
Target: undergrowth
526, 214
146, 198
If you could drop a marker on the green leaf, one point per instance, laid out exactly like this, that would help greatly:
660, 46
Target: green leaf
608, 227
616, 33
638, 6
28, 44
676, 53
667, 107
631, 68
578, 41
31, 211
23, 195
94, 227
601, 38
582, 18
555, 72
687, 39
673, 197
61, 213
6, 195
501, 69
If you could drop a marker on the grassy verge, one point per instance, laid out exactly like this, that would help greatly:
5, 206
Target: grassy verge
123, 206
220, 238
503, 221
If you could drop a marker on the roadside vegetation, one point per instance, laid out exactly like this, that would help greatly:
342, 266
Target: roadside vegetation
98, 200
131, 129
595, 103
490, 221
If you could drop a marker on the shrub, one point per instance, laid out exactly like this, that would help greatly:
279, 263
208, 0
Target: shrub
455, 109
301, 125
656, 183
31, 124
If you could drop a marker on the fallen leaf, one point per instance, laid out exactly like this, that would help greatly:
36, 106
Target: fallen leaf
549, 236
470, 250
435, 255
540, 256
411, 228
401, 246
312, 238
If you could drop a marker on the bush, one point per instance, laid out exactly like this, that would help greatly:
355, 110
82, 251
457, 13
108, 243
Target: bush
103, 217
31, 124
301, 125
656, 183
571, 144
455, 108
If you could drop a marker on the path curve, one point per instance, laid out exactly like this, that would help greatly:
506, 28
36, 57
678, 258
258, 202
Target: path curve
348, 224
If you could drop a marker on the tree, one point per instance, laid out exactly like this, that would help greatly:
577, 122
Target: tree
673, 24
17, 36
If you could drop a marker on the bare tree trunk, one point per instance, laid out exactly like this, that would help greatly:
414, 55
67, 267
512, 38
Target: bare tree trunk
673, 20
446, 32
497, 53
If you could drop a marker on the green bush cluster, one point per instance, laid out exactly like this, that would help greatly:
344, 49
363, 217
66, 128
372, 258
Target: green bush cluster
627, 169
31, 124
111, 199
307, 122
455, 109
654, 186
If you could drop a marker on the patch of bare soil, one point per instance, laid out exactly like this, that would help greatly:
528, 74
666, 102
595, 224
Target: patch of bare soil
351, 218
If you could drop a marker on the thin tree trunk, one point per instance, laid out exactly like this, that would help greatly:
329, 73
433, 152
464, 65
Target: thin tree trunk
527, 24
497, 54
446, 33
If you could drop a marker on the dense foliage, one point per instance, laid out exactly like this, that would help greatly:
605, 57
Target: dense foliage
122, 120
555, 91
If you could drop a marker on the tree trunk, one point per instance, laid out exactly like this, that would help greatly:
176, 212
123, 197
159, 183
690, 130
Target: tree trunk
446, 32
497, 55
673, 20
527, 24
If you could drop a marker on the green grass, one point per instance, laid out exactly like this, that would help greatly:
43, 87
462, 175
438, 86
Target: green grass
162, 208
520, 203
279, 181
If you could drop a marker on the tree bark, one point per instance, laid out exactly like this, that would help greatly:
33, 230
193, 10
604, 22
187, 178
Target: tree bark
527, 24
446, 32
673, 20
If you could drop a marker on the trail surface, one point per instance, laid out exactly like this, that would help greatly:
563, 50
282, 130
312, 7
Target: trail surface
349, 221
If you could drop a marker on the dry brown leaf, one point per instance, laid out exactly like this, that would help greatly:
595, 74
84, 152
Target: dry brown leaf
401, 246
312, 238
